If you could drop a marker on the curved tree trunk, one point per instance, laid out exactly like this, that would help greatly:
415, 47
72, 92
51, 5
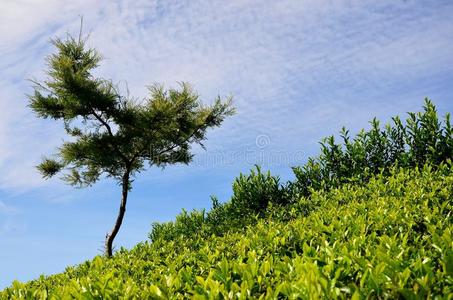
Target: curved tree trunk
119, 220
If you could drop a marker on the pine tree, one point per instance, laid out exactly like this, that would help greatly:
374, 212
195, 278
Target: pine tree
113, 135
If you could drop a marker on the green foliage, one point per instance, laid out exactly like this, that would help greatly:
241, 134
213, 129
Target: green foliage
111, 134
252, 195
369, 218
49, 167
185, 225
222, 219
423, 139
253, 192
388, 238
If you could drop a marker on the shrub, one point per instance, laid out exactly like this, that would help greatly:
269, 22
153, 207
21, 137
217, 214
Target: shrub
423, 139
186, 225
253, 192
390, 238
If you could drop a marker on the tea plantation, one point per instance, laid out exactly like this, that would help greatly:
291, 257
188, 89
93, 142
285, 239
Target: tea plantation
369, 218
390, 238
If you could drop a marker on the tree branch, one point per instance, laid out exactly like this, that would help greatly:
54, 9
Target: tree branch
185, 140
110, 132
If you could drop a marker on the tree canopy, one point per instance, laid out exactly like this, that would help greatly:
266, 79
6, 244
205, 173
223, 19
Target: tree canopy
112, 134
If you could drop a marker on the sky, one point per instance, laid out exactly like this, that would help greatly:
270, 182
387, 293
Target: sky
298, 71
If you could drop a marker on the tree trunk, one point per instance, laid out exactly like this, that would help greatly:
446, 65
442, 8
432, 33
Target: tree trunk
111, 236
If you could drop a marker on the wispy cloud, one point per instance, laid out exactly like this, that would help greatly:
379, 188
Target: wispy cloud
293, 66
6, 209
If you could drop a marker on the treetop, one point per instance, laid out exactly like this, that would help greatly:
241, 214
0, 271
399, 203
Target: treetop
112, 133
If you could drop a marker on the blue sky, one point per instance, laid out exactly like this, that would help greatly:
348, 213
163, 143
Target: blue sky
298, 71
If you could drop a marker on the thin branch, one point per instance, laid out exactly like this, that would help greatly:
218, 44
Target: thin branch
110, 132
81, 28
185, 140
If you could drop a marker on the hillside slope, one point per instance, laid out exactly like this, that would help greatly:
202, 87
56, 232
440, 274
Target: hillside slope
371, 216
390, 237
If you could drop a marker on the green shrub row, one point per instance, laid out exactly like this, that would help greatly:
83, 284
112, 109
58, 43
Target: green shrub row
420, 140
388, 238
252, 194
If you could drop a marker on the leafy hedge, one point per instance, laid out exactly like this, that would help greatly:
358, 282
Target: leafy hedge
422, 139
388, 238
252, 194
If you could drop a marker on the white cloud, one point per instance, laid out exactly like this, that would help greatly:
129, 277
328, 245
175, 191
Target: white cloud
26, 20
25, 30
296, 68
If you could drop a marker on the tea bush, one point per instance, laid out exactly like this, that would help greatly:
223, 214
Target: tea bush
186, 224
388, 238
252, 194
421, 140
371, 217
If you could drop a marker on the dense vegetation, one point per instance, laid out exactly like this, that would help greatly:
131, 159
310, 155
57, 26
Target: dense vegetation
422, 139
371, 217
391, 237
